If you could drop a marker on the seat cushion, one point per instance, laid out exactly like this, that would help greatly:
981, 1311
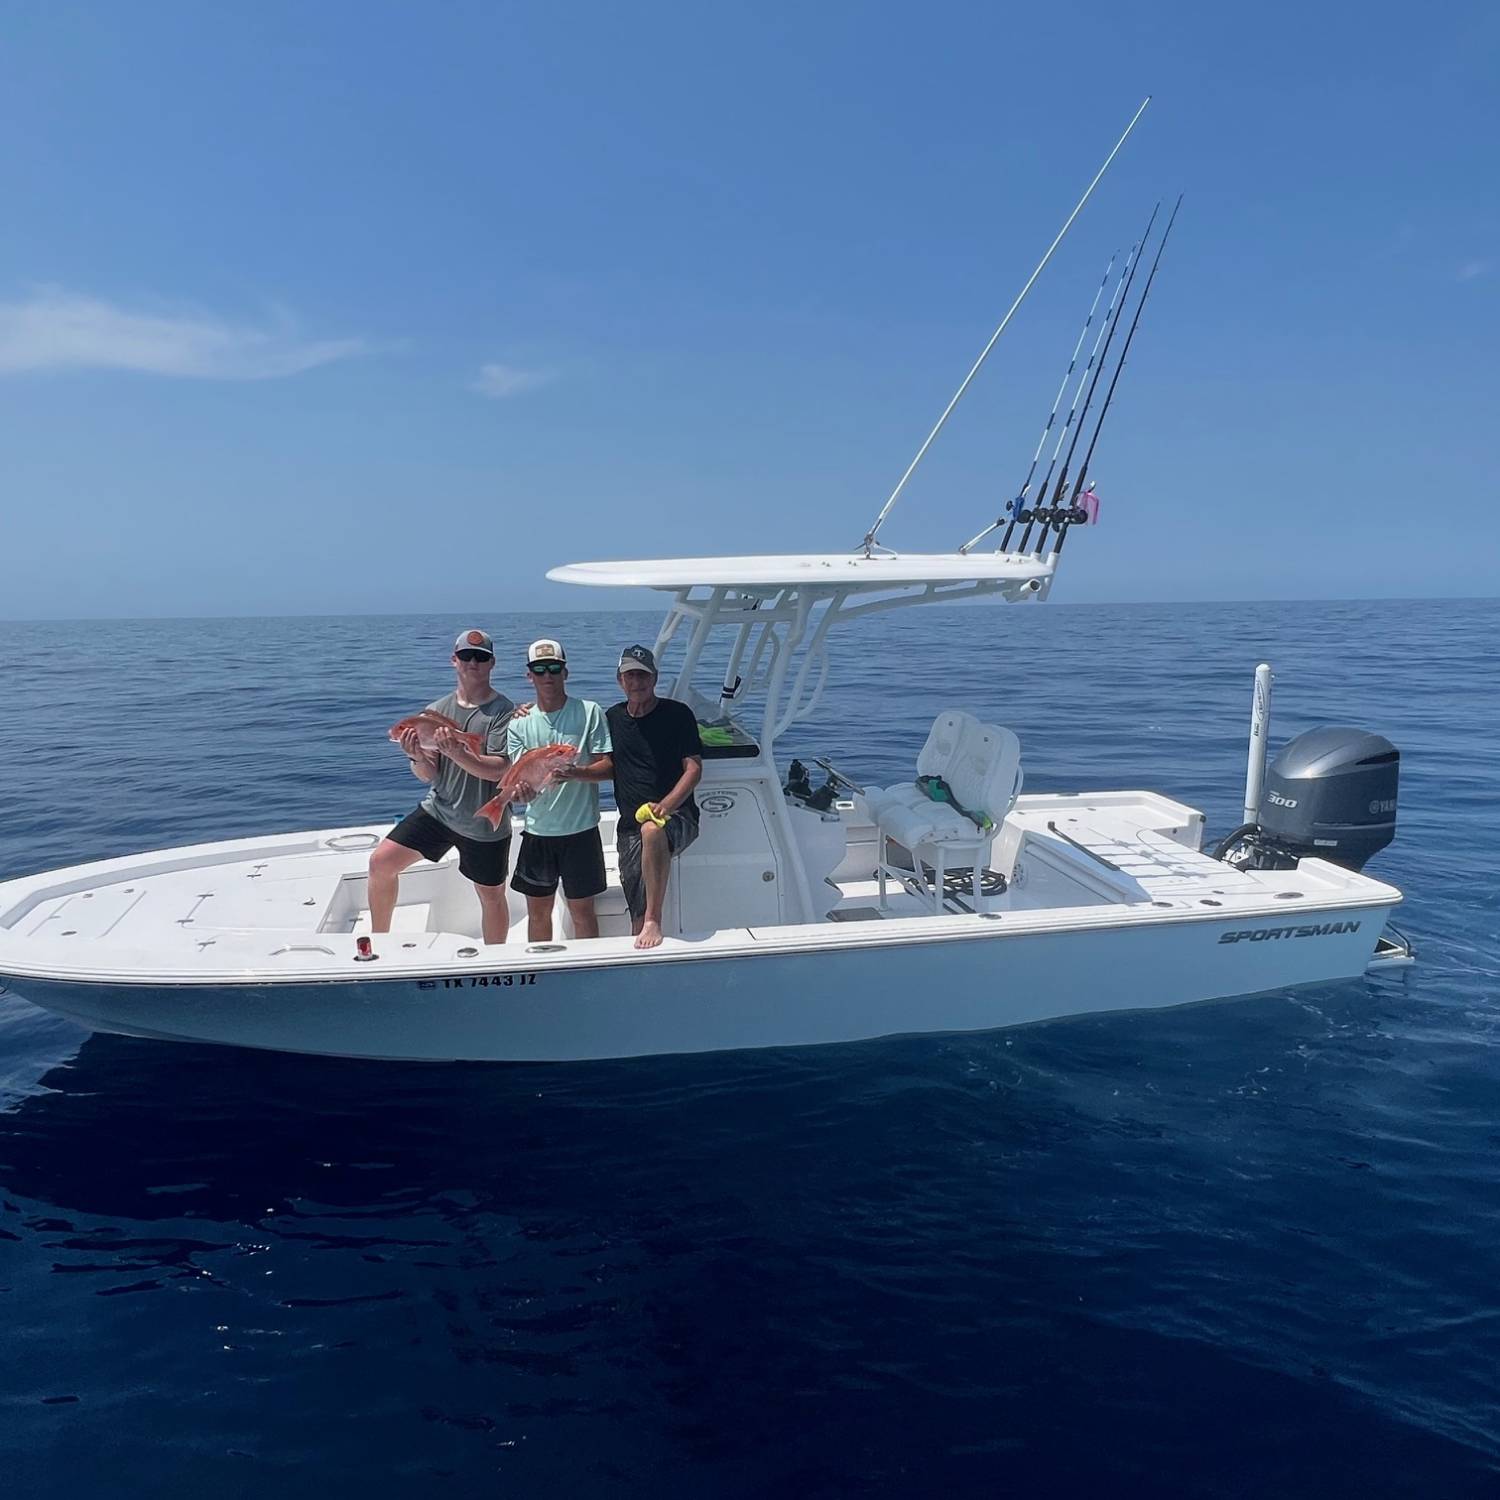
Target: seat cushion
879, 803
985, 771
932, 823
945, 741
874, 800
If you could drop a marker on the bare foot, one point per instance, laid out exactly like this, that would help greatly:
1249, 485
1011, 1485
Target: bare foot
650, 935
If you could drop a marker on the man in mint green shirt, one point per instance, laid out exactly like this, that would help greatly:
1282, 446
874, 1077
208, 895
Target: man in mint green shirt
561, 842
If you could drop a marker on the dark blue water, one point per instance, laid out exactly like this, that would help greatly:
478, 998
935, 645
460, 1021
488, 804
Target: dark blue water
1242, 1249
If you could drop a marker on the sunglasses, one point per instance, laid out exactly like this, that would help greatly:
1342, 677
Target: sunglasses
545, 668
473, 656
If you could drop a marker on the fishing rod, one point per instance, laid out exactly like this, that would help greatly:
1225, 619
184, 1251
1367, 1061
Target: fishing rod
885, 510
1030, 517
1035, 514
1041, 442
1016, 506
1071, 514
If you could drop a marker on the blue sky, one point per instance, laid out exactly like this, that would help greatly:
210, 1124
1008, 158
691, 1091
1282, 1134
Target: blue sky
338, 307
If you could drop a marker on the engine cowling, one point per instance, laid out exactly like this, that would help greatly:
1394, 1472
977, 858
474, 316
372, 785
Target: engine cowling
1331, 792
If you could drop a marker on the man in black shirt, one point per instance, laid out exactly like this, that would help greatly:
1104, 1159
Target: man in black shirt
658, 760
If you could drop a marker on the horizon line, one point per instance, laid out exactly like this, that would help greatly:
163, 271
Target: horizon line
644, 609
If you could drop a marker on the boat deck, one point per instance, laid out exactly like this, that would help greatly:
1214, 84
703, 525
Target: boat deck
293, 905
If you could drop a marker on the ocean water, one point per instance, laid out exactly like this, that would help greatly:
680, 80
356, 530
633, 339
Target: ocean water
1238, 1249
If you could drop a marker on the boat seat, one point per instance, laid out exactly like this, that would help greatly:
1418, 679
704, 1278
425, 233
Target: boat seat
981, 763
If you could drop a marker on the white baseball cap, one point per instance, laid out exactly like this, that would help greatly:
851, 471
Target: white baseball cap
546, 650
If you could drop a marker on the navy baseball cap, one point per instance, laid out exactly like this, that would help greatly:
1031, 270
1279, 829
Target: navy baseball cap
637, 659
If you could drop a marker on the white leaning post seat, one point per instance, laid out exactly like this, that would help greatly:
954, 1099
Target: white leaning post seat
982, 765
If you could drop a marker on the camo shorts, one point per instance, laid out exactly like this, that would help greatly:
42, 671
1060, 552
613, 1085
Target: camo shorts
681, 830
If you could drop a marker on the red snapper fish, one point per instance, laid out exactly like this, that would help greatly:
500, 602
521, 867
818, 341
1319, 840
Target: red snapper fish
427, 723
529, 776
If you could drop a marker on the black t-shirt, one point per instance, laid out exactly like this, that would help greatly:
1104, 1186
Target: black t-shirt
649, 752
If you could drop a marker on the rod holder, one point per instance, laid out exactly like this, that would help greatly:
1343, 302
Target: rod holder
1260, 734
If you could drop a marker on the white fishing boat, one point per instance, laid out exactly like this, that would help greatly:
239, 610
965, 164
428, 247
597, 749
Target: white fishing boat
800, 915
947, 901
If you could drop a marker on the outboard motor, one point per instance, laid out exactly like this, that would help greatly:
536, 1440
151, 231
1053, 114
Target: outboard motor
1330, 793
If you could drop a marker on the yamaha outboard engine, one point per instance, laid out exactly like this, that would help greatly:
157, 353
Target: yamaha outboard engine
1330, 793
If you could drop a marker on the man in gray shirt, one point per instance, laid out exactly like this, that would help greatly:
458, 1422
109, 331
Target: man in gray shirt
462, 781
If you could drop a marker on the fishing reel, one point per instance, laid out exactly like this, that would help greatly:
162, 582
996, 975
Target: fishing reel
1058, 517
1082, 510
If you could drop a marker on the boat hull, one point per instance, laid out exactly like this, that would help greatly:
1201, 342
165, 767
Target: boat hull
632, 1006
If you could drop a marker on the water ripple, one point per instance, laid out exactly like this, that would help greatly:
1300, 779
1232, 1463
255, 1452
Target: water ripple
1225, 1250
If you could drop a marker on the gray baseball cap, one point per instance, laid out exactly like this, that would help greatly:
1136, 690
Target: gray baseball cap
474, 640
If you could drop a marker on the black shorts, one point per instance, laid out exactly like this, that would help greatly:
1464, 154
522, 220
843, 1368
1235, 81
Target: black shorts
681, 830
484, 861
577, 859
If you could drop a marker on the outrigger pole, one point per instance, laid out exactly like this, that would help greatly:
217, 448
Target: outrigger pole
1069, 514
1030, 517
885, 510
1041, 442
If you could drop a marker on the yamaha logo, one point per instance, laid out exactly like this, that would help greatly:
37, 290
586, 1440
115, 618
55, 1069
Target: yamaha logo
1383, 805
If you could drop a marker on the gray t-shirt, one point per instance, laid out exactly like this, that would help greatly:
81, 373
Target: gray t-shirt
456, 795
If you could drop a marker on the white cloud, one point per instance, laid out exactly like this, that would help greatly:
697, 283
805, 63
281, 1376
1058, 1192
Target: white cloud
1473, 269
500, 381
54, 329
